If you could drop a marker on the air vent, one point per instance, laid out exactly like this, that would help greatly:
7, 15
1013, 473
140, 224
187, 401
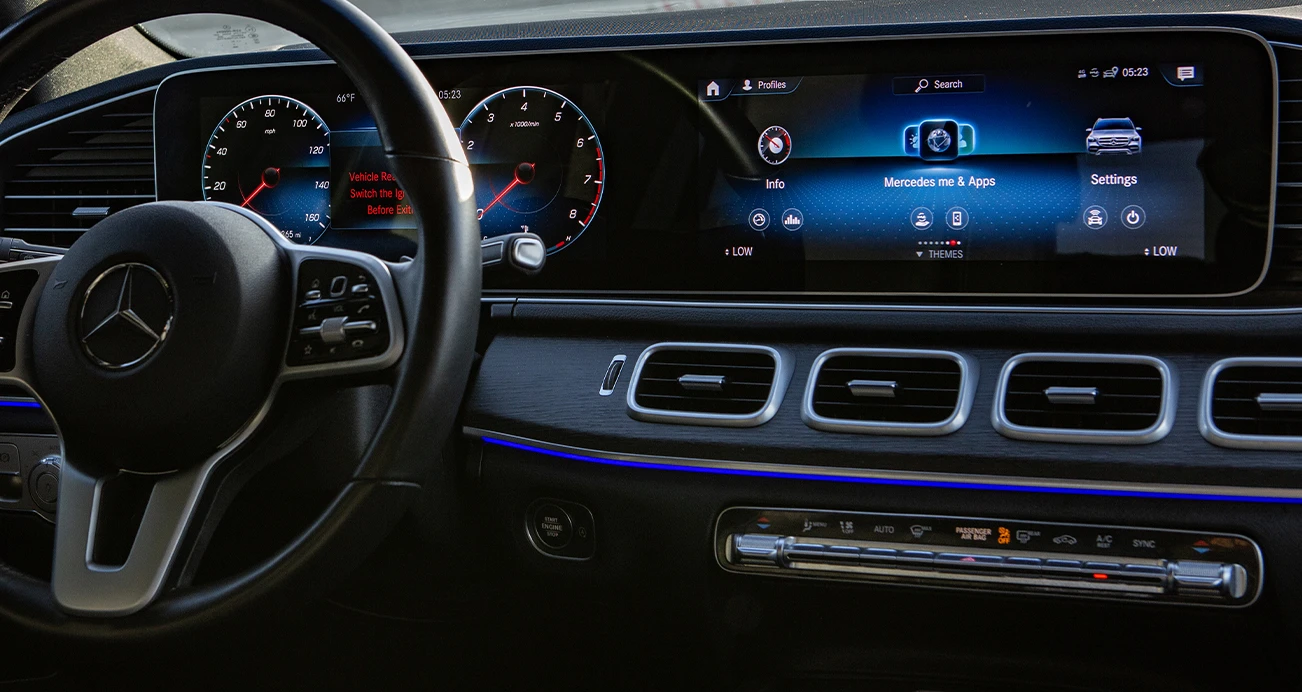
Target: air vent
708, 384
1102, 399
889, 392
1286, 254
62, 177
1253, 403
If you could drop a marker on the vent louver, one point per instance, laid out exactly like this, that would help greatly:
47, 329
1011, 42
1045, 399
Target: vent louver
1105, 399
62, 178
1253, 403
888, 391
708, 384
1286, 253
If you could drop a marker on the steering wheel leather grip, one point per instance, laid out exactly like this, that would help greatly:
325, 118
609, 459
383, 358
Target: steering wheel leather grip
435, 298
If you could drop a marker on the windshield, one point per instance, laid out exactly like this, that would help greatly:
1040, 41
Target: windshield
1114, 124
220, 34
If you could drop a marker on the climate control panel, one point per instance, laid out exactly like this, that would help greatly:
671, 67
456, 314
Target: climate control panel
1163, 565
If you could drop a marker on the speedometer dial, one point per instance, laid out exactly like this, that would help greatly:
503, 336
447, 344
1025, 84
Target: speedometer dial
537, 165
271, 154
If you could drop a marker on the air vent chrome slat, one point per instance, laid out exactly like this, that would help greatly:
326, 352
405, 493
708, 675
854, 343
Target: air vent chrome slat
1090, 398
732, 385
1072, 395
1279, 402
886, 391
1253, 403
881, 389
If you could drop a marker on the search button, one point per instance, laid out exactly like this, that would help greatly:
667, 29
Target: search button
940, 84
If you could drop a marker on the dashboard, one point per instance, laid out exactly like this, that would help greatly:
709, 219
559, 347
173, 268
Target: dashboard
953, 356
1109, 164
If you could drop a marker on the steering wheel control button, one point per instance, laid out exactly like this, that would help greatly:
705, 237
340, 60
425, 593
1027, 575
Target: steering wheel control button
562, 529
9, 458
14, 289
1133, 217
337, 286
347, 325
553, 526
43, 483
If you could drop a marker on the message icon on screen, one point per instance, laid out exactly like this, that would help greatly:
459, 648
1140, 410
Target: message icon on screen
1184, 72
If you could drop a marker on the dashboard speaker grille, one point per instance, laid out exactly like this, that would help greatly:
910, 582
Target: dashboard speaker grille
60, 179
1258, 400
889, 391
1085, 398
708, 384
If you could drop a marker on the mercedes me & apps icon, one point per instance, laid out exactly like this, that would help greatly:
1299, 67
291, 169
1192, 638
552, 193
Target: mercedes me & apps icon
939, 140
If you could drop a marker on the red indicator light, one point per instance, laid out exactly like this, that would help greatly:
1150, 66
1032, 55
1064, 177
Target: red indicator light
1100, 576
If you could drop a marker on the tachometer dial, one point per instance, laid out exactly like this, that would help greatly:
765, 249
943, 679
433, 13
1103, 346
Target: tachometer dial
271, 154
537, 165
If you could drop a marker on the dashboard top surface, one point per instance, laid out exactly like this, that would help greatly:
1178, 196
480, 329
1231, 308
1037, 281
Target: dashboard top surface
559, 39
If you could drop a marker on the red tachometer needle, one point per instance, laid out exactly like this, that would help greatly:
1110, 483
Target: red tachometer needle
523, 176
270, 178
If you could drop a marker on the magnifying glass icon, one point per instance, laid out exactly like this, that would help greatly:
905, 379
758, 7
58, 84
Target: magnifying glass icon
922, 84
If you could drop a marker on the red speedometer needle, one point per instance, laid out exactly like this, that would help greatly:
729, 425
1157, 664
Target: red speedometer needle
523, 176
270, 178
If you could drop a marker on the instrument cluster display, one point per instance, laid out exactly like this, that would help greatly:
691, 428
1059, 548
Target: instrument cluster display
536, 159
1117, 164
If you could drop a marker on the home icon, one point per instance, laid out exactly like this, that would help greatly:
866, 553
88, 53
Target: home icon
712, 89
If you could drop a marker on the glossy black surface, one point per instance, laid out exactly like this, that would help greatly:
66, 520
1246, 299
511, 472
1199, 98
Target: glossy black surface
662, 151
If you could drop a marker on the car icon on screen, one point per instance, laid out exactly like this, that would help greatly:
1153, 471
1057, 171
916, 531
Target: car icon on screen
1113, 136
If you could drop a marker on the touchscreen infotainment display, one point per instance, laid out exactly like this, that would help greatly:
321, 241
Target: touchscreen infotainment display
1132, 165
1048, 161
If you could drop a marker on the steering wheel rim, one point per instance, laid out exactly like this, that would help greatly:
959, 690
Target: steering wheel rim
437, 305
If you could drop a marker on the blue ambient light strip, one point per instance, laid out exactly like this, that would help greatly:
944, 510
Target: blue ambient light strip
1005, 486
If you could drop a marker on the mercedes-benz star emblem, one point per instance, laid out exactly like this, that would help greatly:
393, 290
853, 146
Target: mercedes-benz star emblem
125, 315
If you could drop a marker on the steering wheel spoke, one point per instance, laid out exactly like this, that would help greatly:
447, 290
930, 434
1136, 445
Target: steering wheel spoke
346, 317
105, 565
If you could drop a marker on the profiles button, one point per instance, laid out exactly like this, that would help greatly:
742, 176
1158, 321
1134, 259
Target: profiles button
1133, 216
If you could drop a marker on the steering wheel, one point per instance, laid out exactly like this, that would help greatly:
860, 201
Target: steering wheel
163, 342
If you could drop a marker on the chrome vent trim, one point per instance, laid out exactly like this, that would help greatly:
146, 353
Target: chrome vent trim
782, 370
968, 371
1158, 430
1206, 405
